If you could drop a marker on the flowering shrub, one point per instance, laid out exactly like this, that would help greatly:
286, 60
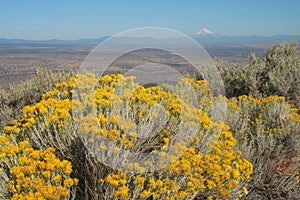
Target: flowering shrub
267, 131
277, 73
33, 174
14, 98
197, 156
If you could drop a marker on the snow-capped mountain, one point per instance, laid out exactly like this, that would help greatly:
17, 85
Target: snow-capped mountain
206, 36
204, 32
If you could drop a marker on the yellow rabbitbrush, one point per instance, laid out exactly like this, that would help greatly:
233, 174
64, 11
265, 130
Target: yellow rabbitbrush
33, 174
114, 115
268, 135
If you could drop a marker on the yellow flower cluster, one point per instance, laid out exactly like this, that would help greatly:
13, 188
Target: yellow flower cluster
34, 174
47, 111
271, 116
214, 174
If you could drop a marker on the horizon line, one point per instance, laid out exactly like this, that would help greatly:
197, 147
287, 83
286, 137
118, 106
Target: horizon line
99, 37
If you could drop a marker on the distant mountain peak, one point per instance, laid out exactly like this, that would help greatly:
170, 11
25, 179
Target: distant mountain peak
205, 31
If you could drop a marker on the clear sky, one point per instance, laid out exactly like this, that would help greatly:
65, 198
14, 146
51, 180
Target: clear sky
73, 19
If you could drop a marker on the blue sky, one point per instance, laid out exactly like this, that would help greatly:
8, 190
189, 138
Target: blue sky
72, 19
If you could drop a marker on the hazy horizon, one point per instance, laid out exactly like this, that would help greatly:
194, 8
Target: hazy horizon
103, 36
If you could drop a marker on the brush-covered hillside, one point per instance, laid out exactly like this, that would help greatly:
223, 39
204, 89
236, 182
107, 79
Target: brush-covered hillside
74, 136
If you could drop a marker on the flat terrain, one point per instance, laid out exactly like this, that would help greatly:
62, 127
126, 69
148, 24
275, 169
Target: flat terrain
17, 62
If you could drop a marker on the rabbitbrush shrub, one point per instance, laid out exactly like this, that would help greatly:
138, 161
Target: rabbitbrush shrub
277, 73
267, 132
13, 99
196, 157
